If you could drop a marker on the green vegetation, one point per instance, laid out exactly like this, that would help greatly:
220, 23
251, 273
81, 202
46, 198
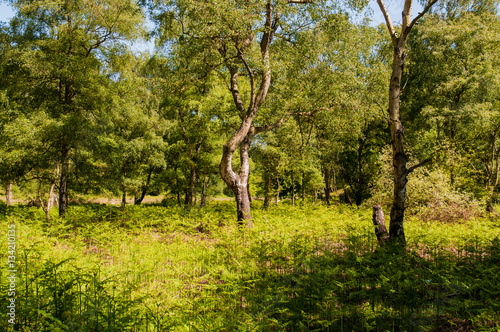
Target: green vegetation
307, 104
163, 268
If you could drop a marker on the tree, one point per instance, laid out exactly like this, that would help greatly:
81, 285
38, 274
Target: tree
399, 157
331, 88
455, 105
131, 144
61, 46
236, 38
194, 111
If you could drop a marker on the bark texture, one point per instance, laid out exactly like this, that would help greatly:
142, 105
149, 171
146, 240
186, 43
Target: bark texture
238, 183
379, 222
399, 158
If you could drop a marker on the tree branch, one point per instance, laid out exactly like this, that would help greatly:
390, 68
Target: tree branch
406, 18
264, 49
235, 92
388, 22
426, 9
414, 167
263, 129
250, 73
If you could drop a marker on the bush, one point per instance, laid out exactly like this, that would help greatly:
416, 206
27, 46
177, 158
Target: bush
430, 195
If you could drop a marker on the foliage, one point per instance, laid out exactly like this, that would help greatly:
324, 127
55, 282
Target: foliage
164, 268
431, 195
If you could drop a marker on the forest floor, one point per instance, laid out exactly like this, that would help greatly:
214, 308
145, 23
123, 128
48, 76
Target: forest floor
159, 267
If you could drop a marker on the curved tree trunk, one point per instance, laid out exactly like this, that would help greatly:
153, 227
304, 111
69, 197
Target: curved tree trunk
293, 189
238, 183
138, 200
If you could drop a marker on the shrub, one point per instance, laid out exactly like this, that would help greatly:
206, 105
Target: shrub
430, 195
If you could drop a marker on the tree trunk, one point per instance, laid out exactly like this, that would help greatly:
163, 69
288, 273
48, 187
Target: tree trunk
293, 189
124, 200
63, 181
396, 230
50, 201
203, 192
243, 206
8, 192
303, 188
334, 181
242, 192
278, 191
494, 179
138, 200
249, 193
46, 207
188, 201
379, 222
238, 183
328, 186
399, 158
242, 138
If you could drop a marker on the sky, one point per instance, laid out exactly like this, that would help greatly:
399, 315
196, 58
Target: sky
5, 12
395, 7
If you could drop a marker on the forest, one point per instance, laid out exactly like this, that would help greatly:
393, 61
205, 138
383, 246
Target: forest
236, 176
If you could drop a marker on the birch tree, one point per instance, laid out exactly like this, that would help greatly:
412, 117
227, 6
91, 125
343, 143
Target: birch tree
399, 40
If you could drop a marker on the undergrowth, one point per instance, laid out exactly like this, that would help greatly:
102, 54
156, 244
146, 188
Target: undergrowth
157, 268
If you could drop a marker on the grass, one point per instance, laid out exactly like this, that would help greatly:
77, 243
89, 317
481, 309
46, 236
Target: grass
162, 268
